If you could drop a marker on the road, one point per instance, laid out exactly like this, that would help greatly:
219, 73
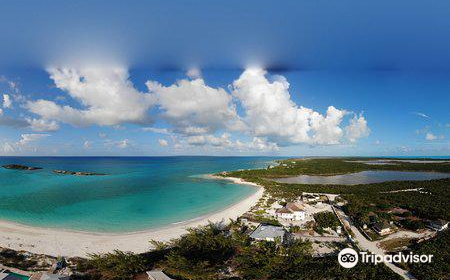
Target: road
370, 246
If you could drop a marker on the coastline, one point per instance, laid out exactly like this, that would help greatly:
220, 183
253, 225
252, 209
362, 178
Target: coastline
70, 243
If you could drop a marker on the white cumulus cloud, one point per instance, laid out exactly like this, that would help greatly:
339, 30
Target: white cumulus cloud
224, 141
106, 95
271, 113
357, 128
192, 107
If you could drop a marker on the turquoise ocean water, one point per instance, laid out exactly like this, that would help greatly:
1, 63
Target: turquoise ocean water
137, 194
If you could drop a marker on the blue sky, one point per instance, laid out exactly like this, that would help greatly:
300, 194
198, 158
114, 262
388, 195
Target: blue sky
229, 78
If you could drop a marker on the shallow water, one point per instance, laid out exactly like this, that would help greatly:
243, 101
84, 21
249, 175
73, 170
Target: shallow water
364, 177
138, 193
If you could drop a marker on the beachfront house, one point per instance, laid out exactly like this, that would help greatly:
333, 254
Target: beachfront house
382, 228
268, 233
157, 275
292, 211
438, 225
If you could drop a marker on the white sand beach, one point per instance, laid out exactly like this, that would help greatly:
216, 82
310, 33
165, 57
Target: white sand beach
72, 243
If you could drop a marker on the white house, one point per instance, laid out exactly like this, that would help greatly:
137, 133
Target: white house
292, 211
268, 233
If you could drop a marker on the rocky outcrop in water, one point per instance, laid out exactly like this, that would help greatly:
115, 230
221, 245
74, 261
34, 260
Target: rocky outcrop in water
20, 167
67, 172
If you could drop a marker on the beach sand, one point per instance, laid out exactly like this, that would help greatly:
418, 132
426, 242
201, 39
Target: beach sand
72, 243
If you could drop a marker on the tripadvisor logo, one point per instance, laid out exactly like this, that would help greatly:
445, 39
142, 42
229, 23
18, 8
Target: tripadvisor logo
348, 258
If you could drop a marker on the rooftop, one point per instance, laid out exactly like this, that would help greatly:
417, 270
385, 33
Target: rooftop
381, 226
283, 210
294, 207
268, 231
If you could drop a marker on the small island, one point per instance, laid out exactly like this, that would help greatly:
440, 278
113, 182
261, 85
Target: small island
20, 167
67, 172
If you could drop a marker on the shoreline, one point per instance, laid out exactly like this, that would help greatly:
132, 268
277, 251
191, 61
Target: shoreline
72, 243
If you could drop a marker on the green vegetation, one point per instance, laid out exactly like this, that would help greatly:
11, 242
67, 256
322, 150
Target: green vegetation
392, 245
200, 254
326, 220
265, 220
334, 166
216, 252
439, 268
115, 266
15, 259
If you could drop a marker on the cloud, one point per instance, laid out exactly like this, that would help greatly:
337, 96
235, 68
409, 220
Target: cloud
201, 140
107, 95
23, 144
7, 102
123, 144
8, 148
431, 137
271, 113
87, 144
200, 115
357, 128
225, 142
42, 125
192, 107
163, 142
25, 139
156, 130
11, 84
102, 135
326, 130
38, 125
259, 144
421, 115
12, 122
194, 73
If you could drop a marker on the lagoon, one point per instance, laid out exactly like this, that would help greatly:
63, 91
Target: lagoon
364, 177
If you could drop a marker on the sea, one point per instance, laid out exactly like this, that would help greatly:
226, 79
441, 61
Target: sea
137, 193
